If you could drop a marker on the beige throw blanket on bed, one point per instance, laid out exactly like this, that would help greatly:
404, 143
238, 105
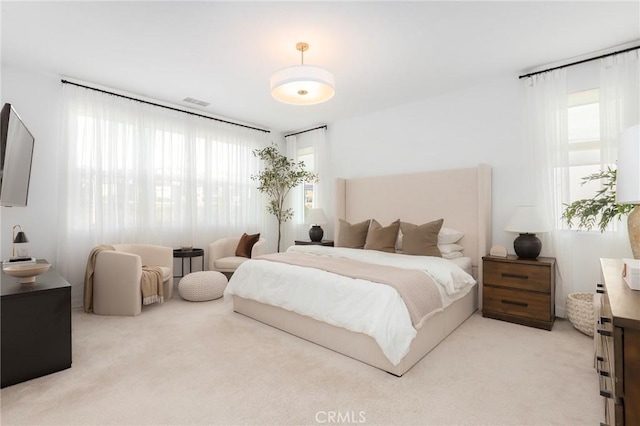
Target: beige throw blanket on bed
417, 289
150, 282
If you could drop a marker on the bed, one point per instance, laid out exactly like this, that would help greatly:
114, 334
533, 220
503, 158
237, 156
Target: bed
462, 197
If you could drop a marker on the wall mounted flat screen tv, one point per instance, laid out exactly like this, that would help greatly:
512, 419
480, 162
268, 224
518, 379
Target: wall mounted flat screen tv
16, 153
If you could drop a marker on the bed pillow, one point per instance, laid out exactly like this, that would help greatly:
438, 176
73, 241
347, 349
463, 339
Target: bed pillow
245, 244
449, 248
382, 238
452, 255
352, 236
449, 236
421, 239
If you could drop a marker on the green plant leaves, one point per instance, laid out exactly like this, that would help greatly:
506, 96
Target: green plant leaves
600, 210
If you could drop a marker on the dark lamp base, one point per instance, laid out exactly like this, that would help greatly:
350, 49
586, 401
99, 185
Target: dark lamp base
527, 246
316, 233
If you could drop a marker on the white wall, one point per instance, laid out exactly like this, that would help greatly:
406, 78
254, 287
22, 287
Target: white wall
36, 97
482, 124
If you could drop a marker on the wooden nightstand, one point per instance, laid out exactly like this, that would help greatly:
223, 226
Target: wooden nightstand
519, 290
328, 243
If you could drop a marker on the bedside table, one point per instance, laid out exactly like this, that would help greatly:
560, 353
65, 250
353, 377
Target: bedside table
518, 290
328, 243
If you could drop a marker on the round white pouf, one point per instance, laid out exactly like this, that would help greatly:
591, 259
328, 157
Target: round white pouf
202, 286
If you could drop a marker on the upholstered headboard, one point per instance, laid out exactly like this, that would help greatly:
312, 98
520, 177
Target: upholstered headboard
462, 197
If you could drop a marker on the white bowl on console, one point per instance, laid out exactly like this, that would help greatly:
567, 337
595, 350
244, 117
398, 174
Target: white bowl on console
26, 272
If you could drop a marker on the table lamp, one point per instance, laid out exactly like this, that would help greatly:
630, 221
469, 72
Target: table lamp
527, 221
315, 217
628, 183
20, 250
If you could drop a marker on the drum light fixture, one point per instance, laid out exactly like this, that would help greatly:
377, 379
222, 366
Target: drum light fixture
302, 84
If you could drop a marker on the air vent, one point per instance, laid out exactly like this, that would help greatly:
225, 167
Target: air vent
196, 101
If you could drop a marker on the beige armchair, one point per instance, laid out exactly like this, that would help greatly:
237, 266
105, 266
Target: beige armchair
117, 274
222, 254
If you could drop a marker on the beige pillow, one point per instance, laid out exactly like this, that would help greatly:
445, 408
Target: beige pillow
421, 240
245, 245
382, 238
352, 236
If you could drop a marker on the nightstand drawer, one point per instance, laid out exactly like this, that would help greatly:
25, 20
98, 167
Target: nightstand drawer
526, 277
518, 303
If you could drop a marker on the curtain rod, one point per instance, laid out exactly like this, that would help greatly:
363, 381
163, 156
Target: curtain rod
581, 61
305, 131
164, 106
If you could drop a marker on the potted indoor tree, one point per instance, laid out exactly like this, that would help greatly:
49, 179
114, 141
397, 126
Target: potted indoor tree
279, 176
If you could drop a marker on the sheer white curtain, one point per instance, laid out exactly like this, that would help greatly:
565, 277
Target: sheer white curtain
296, 229
135, 172
619, 110
292, 228
547, 135
324, 187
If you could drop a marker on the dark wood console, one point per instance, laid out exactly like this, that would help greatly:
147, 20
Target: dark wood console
35, 323
618, 346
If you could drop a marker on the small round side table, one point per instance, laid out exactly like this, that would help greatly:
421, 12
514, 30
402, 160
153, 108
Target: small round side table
188, 254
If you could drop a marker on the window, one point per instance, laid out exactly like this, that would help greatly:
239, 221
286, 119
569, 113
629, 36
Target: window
145, 173
308, 188
583, 122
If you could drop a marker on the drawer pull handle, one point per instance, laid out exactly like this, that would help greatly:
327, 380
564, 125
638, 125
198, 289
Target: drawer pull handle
518, 276
604, 320
599, 358
600, 285
603, 332
604, 373
511, 302
599, 290
606, 393
603, 388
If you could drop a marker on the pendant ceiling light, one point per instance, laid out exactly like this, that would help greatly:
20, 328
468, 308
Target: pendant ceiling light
302, 84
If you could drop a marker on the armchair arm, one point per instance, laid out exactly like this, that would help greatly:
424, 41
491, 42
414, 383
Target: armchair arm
224, 247
259, 248
151, 255
116, 284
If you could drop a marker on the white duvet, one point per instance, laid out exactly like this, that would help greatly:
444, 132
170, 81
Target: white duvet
357, 305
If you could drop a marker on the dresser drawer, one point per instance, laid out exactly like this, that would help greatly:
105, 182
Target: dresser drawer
516, 302
526, 277
613, 413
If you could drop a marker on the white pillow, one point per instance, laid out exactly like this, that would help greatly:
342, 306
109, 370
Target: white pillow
449, 248
399, 241
452, 255
449, 236
445, 236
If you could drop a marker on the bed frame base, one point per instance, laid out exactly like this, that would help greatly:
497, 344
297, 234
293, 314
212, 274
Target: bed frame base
359, 346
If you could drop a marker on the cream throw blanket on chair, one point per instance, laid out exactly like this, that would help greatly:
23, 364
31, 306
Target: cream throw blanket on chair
150, 283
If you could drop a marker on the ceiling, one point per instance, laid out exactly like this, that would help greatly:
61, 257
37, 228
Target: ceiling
382, 54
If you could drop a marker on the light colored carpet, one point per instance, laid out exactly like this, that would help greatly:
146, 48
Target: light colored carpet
187, 363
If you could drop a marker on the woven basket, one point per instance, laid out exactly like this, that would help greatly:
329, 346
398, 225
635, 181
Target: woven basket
581, 312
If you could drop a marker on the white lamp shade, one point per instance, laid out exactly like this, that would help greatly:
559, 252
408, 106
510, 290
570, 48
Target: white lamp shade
302, 85
628, 174
315, 217
527, 220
